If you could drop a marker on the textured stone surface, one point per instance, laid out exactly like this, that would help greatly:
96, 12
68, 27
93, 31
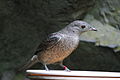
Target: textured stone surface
105, 17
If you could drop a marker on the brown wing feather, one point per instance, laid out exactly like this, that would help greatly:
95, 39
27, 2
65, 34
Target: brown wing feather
48, 43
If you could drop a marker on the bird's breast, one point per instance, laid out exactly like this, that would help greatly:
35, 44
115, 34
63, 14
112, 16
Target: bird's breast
71, 41
61, 50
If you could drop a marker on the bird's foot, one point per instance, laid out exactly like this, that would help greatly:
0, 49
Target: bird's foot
66, 69
46, 68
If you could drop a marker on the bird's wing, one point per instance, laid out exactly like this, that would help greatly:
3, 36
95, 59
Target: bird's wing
51, 41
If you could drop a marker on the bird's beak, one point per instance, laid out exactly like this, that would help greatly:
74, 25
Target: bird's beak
93, 29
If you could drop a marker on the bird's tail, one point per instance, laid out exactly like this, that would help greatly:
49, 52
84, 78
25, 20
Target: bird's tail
30, 63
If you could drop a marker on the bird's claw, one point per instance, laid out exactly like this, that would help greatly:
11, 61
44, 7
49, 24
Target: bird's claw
66, 69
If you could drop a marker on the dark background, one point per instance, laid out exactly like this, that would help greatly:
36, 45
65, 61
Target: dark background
25, 23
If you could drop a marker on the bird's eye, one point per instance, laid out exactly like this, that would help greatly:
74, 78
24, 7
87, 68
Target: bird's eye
83, 26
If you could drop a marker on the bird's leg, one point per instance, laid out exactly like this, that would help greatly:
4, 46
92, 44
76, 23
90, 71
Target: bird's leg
65, 68
46, 68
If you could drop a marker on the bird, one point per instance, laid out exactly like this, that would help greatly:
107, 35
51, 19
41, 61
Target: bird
59, 45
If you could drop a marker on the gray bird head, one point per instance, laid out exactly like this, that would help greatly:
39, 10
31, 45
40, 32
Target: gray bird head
81, 26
